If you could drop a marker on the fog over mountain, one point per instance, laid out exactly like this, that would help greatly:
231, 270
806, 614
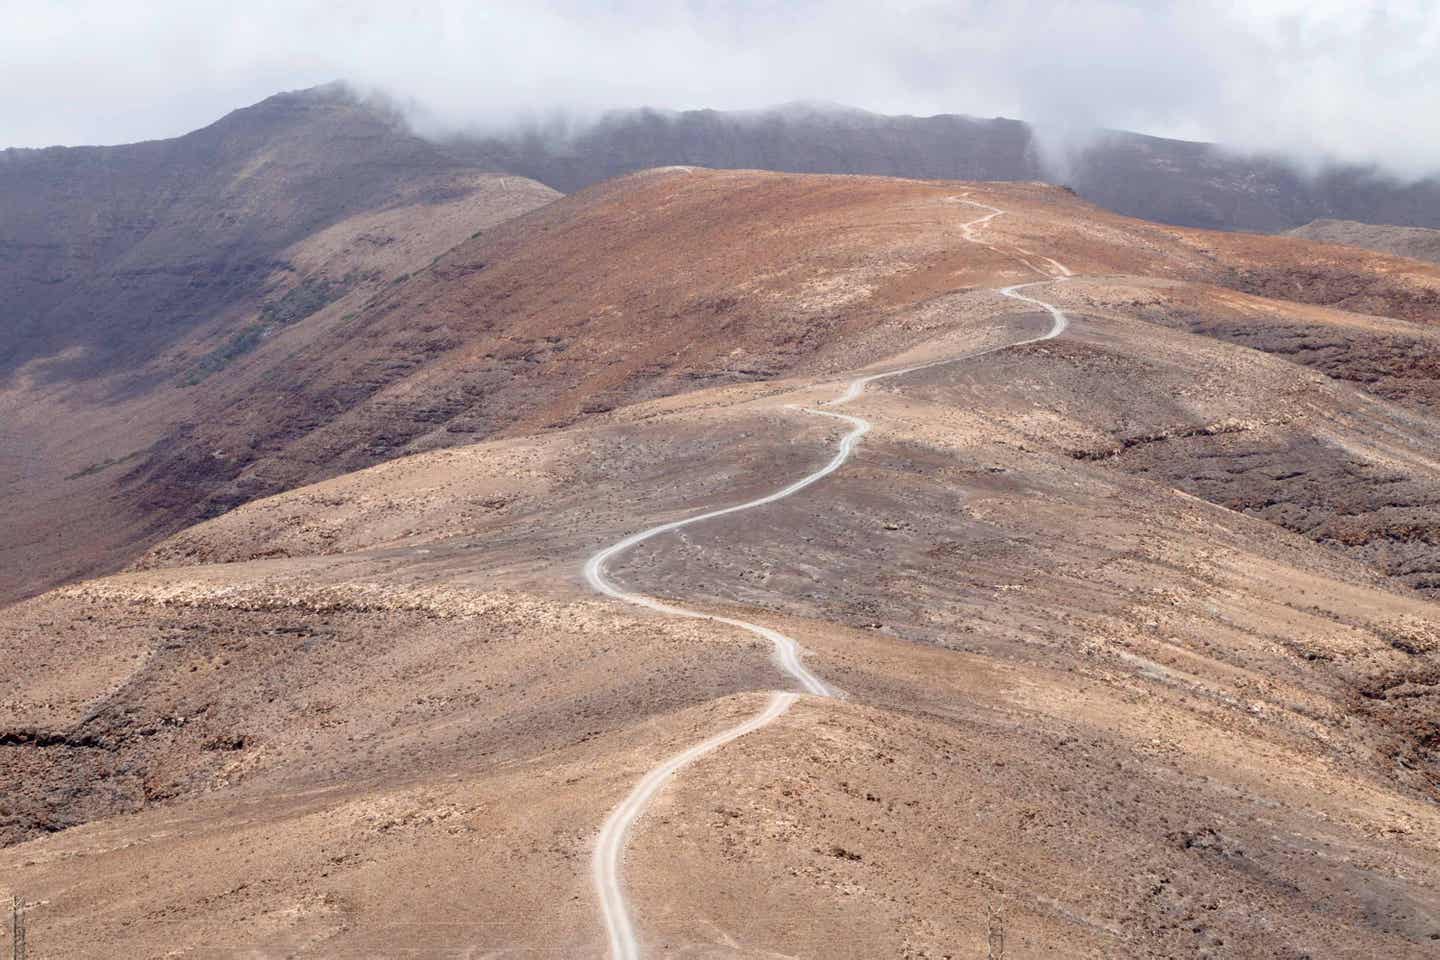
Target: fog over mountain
1319, 81
624, 481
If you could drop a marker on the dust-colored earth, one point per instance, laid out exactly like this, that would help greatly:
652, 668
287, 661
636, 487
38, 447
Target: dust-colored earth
1422, 243
1136, 628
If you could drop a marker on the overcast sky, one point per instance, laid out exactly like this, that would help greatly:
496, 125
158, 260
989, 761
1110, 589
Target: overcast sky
1347, 79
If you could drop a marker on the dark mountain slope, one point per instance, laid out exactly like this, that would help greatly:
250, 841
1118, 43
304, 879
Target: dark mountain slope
109, 254
794, 138
133, 277
1172, 181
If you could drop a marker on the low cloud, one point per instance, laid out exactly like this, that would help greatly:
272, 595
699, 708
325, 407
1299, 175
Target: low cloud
1319, 80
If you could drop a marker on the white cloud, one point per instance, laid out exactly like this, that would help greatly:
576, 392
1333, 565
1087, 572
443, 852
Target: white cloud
1320, 78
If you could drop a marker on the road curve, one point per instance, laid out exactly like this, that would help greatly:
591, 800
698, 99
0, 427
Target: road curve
605, 865
610, 844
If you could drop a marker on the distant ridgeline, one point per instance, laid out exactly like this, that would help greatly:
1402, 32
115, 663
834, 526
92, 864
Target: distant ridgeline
1169, 181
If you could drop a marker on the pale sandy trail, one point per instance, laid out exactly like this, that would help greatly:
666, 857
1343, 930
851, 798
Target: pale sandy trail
610, 844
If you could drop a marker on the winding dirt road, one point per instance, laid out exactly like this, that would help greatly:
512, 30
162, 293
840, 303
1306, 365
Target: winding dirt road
610, 844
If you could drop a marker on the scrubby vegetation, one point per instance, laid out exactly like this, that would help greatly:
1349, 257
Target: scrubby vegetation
310, 296
105, 464
221, 357
299, 302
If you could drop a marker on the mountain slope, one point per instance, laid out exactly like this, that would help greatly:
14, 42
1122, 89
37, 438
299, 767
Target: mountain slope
1133, 625
1417, 242
1171, 181
674, 279
132, 276
161, 236
677, 279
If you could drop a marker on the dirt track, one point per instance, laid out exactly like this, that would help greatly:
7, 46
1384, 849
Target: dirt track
610, 845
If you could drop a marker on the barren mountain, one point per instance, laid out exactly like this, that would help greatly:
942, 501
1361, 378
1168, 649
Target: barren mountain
1417, 242
494, 338
196, 322
1134, 629
134, 277
158, 238
1172, 181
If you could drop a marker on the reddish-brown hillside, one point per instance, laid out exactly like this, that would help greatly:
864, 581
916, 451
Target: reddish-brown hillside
1134, 627
664, 282
134, 275
657, 283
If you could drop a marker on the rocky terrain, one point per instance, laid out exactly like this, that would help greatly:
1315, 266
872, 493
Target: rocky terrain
1135, 629
1418, 242
198, 322
138, 278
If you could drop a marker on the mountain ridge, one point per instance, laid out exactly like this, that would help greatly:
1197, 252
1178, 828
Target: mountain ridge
1185, 183
142, 283
1135, 625
135, 277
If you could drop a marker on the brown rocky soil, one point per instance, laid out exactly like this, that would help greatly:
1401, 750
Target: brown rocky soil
1136, 628
1422, 243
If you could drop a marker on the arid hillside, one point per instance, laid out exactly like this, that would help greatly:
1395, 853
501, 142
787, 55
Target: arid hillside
135, 276
1417, 242
1130, 620
678, 279
198, 322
